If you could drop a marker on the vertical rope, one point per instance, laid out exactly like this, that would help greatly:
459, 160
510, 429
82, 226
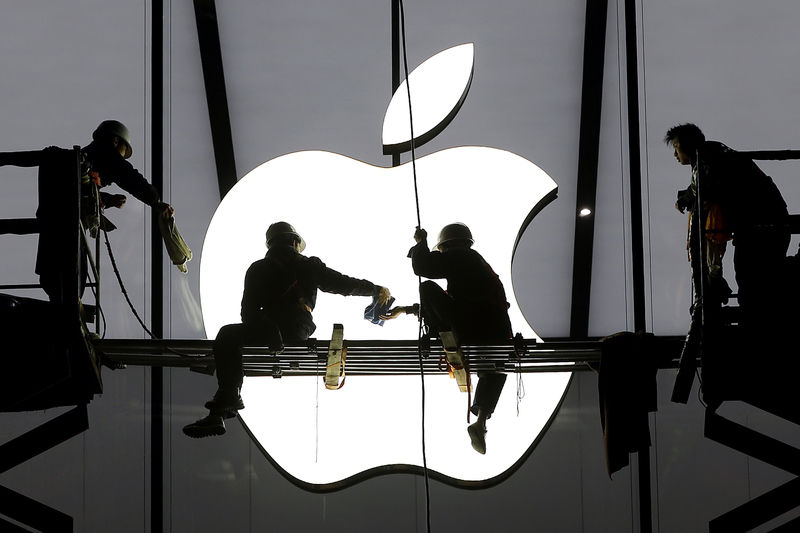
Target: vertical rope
419, 225
410, 112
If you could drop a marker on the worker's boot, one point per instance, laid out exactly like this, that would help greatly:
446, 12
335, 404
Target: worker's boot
226, 402
209, 426
477, 434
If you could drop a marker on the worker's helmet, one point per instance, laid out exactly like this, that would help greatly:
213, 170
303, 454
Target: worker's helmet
454, 232
279, 229
111, 128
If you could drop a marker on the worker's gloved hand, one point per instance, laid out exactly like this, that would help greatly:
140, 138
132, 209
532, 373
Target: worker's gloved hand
164, 209
395, 312
383, 296
117, 200
420, 235
685, 200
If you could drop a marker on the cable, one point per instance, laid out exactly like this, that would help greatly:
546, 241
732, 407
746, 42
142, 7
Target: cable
700, 388
99, 307
410, 112
122, 286
520, 383
130, 304
419, 225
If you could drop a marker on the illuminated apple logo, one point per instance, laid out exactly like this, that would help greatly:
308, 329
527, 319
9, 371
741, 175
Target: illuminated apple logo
359, 219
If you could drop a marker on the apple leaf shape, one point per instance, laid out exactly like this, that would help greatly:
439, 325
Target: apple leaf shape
439, 87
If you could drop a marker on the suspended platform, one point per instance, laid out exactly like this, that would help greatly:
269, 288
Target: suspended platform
372, 357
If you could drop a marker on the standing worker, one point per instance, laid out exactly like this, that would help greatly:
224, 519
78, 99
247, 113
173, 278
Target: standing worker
474, 307
751, 208
280, 292
102, 162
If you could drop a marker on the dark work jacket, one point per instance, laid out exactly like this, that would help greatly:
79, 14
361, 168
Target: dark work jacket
472, 284
55, 163
56, 166
284, 286
746, 195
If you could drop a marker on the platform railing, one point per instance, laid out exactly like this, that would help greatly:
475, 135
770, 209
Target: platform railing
32, 226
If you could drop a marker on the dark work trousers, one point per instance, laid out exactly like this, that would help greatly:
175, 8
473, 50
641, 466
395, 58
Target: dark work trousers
759, 260
470, 324
487, 393
263, 332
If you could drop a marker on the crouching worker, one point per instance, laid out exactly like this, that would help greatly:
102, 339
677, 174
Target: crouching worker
280, 292
474, 307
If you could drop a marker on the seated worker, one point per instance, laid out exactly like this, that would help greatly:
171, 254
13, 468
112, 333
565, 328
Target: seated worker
474, 307
280, 292
103, 161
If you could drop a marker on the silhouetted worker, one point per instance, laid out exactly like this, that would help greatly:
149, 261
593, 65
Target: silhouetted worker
103, 162
280, 292
474, 307
750, 207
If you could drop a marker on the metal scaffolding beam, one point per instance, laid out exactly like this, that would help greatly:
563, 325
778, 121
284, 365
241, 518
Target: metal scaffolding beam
370, 357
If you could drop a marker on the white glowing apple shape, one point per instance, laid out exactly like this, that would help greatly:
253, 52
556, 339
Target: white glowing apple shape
439, 87
360, 219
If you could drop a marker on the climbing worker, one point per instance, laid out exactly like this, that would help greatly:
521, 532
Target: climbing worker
102, 162
741, 200
280, 292
474, 307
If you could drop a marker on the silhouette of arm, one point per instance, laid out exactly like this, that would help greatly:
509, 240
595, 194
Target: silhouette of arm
329, 280
21, 159
428, 264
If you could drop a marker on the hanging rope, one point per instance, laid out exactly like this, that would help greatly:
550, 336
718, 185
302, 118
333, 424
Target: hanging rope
127, 298
419, 279
410, 112
122, 286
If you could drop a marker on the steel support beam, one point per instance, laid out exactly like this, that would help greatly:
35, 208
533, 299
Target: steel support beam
637, 235
594, 46
770, 505
157, 270
23, 509
31, 513
42, 438
216, 96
